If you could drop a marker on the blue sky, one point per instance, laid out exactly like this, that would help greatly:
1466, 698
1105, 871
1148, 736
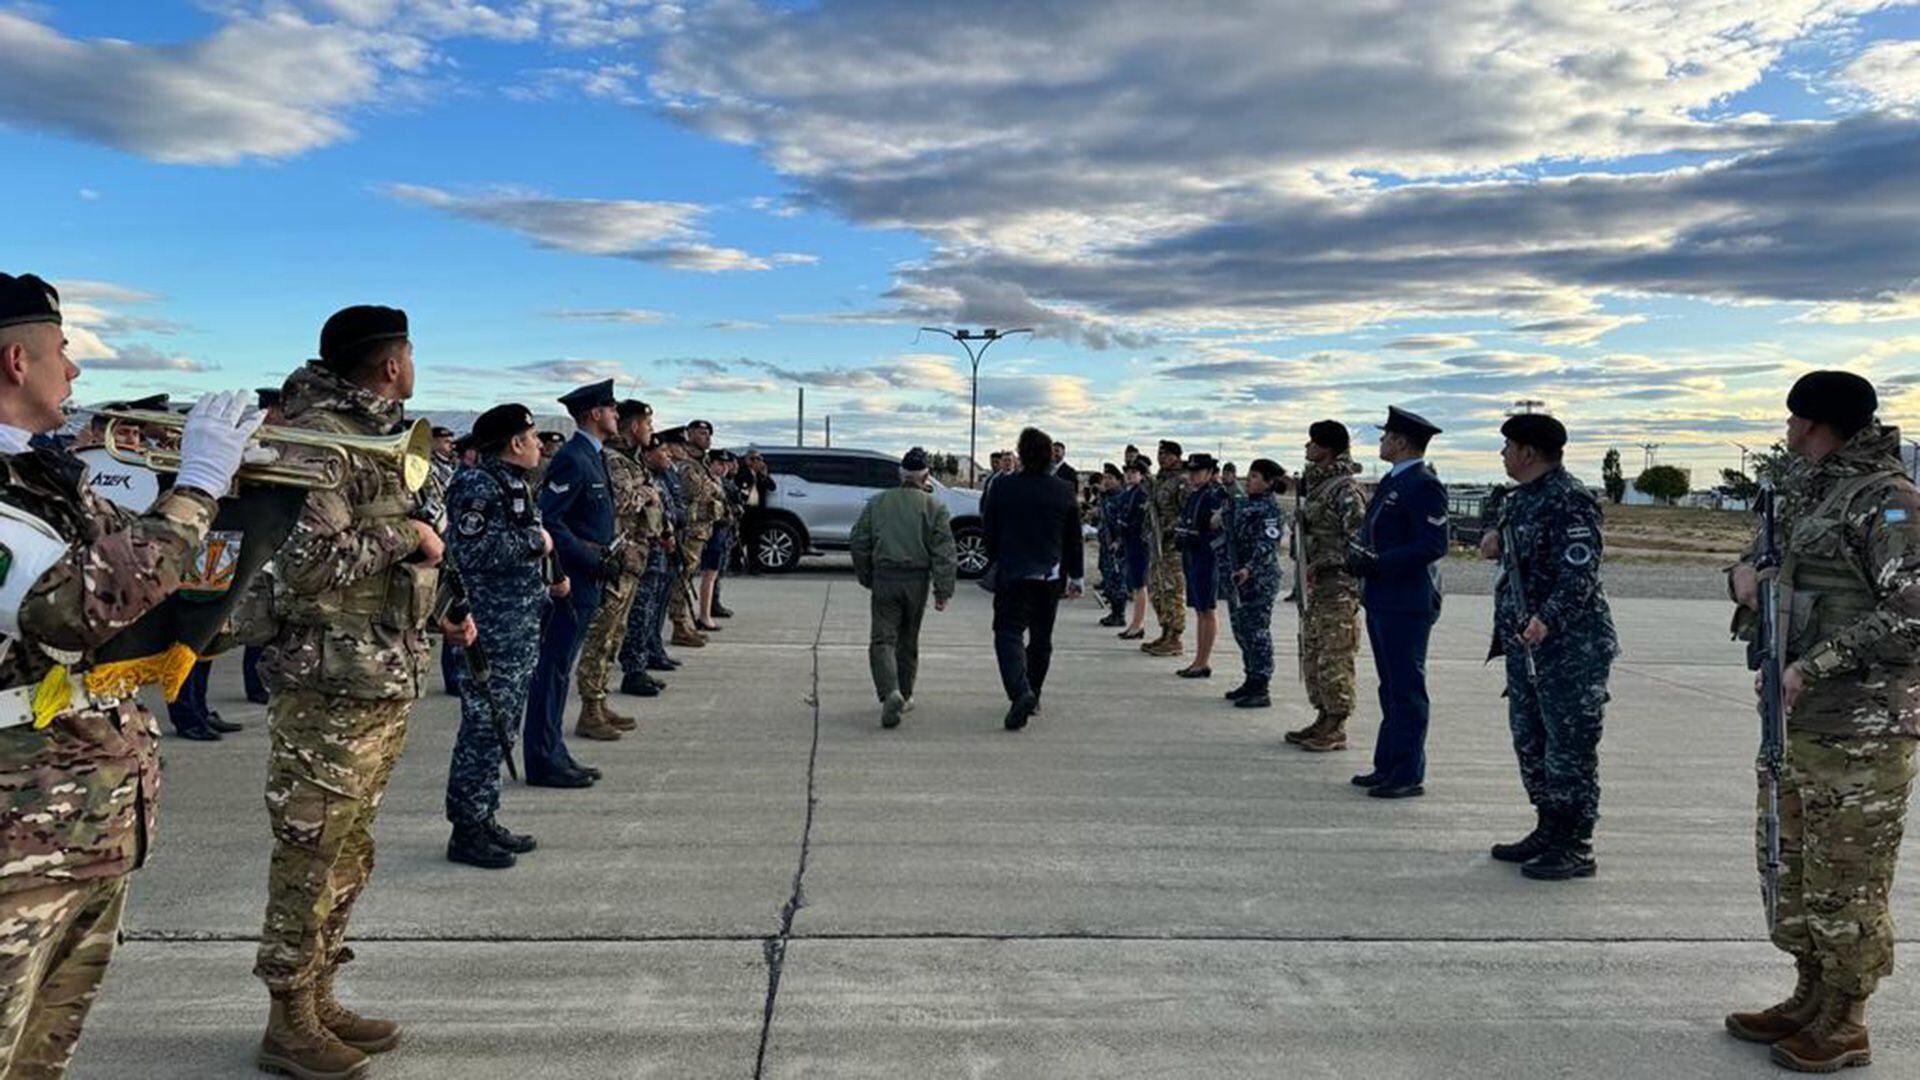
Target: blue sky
1224, 226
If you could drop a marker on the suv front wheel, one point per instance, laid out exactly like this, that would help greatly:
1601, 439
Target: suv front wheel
970, 547
777, 546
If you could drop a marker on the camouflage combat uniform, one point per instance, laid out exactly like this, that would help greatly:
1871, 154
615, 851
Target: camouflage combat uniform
77, 798
1113, 559
1253, 538
1166, 583
1849, 535
1332, 511
646, 640
706, 508
494, 544
345, 672
1553, 524
636, 523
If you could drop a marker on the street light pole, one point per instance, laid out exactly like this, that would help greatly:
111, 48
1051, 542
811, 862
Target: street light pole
965, 339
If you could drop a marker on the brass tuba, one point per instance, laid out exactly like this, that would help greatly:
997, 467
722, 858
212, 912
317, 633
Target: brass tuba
410, 450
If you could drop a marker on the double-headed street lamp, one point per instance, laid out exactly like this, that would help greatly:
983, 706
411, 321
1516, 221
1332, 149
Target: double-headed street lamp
966, 339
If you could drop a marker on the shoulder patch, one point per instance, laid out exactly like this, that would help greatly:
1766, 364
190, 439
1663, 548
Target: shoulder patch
473, 523
1273, 531
1579, 532
1579, 554
1892, 515
559, 489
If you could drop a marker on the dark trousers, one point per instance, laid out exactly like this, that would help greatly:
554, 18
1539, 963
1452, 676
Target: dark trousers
250, 672
1023, 614
1399, 641
188, 710
451, 664
546, 753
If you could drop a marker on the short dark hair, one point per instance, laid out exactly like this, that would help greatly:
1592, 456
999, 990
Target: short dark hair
1035, 449
1418, 442
358, 367
1267, 469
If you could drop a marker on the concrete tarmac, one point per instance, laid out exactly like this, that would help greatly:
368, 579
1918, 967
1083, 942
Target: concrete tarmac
1145, 883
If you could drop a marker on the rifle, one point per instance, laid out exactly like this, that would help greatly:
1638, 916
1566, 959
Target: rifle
1517, 584
479, 672
1763, 655
1297, 546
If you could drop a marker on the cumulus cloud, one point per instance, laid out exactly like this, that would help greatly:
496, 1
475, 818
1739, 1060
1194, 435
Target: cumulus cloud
1887, 74
568, 370
631, 316
143, 358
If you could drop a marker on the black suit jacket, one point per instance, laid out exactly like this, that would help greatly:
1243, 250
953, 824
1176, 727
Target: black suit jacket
1066, 472
1032, 522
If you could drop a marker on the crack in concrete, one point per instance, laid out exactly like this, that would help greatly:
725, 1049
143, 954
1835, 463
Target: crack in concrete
775, 948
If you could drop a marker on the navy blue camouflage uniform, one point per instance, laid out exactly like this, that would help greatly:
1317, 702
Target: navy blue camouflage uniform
646, 626
1253, 538
1550, 528
1113, 560
494, 544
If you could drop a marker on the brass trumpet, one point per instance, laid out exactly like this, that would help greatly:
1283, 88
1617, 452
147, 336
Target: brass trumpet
410, 450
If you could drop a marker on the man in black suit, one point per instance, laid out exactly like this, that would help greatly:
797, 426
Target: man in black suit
1063, 470
1032, 522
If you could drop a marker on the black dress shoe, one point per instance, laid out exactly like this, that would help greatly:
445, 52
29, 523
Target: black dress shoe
1131, 635
258, 697
1021, 710
1396, 791
587, 771
662, 665
224, 727
639, 684
561, 780
722, 612
198, 734
1195, 673
708, 627
1367, 780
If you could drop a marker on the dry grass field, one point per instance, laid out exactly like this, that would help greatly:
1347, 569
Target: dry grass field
1677, 530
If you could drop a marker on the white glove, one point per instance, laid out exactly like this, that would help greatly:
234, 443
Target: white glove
216, 436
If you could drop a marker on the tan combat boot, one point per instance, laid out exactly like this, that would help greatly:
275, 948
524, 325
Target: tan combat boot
619, 722
687, 637
363, 1034
1300, 735
298, 1045
1148, 647
1170, 646
1331, 736
593, 723
1776, 1022
1836, 1039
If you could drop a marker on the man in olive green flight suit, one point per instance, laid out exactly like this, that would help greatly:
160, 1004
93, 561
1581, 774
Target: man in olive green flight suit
902, 543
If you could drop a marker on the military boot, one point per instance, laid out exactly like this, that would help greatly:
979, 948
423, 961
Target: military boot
297, 1044
619, 722
1527, 846
1168, 646
1300, 735
1836, 1039
518, 843
1776, 1022
640, 684
686, 637
1255, 697
366, 1035
1240, 691
594, 723
1148, 647
474, 846
1331, 737
891, 710
1569, 853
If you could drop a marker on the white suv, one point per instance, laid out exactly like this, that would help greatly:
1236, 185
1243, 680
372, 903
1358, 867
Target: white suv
820, 495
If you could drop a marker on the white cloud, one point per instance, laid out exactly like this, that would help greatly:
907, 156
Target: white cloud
631, 316
141, 358
1887, 74
704, 258
1431, 342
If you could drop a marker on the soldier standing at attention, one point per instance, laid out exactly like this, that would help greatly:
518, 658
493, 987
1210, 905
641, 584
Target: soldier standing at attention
357, 579
1166, 583
1113, 575
79, 785
577, 508
644, 650
1333, 511
1133, 521
902, 544
632, 495
1201, 537
1848, 531
706, 507
1404, 536
496, 546
1254, 581
1564, 629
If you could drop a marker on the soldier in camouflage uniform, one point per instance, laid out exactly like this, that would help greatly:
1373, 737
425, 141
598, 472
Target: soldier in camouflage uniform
495, 546
1253, 569
1332, 510
706, 507
356, 581
645, 649
1166, 580
1559, 644
1113, 574
633, 499
1848, 531
79, 785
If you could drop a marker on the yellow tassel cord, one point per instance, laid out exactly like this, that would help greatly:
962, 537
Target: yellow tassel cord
121, 678
52, 696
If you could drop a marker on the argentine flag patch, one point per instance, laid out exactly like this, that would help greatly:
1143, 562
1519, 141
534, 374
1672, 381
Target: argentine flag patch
1895, 515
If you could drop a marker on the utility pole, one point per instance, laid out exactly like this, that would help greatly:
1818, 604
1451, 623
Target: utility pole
1527, 405
1652, 450
965, 339
829, 431
800, 419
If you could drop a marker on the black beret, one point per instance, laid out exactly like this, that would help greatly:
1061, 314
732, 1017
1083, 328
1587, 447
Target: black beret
632, 407
350, 332
464, 443
27, 299
269, 396
500, 423
1168, 446
150, 403
442, 432
673, 436
1201, 461
1538, 430
1331, 434
701, 425
1139, 465
1841, 399
654, 443
914, 460
1403, 422
1110, 469
1266, 469
590, 396
552, 437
